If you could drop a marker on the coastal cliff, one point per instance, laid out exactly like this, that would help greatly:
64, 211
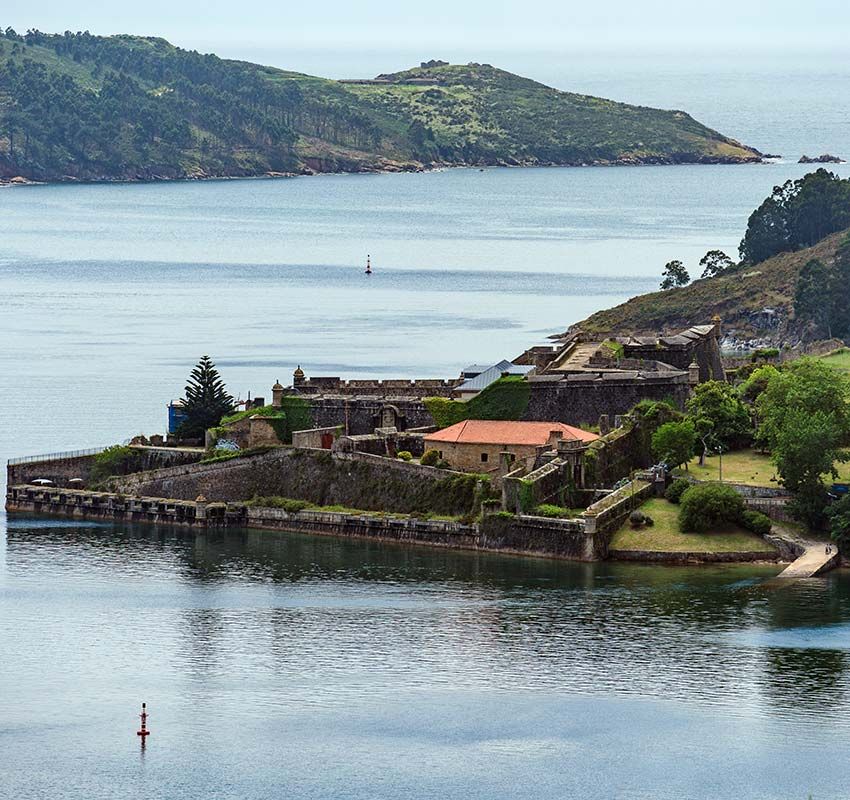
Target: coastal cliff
92, 108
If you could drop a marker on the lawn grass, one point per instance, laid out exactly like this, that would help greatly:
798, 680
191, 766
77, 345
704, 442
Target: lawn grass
739, 466
749, 467
665, 536
838, 360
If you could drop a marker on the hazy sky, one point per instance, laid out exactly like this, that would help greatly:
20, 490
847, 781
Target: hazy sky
371, 35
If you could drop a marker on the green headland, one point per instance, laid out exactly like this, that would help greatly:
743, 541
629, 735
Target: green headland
84, 107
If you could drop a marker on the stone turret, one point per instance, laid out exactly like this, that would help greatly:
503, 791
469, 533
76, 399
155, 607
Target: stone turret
718, 326
277, 394
693, 373
298, 376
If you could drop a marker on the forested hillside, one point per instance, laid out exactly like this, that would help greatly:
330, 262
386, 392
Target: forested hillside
78, 106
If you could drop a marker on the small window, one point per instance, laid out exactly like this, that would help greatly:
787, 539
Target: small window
441, 453
511, 457
483, 458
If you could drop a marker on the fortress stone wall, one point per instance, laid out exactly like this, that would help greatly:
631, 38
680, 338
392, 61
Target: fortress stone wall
354, 480
581, 399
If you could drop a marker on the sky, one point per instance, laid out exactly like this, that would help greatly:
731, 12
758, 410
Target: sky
339, 38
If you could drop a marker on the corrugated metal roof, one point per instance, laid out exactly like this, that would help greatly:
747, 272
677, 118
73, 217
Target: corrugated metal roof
492, 374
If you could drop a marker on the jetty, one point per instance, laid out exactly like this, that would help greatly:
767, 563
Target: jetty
816, 559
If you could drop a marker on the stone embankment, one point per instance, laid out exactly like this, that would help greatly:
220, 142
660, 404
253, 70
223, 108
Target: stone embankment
523, 535
213, 495
683, 557
398, 498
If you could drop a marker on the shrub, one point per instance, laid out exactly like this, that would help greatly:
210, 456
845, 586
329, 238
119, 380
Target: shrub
115, 460
648, 521
637, 518
553, 511
442, 464
764, 353
676, 489
404, 455
756, 522
430, 458
227, 455
285, 503
709, 505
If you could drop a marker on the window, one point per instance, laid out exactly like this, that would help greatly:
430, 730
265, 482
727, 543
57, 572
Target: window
484, 458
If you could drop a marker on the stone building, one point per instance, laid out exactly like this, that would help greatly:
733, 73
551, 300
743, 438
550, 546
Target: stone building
573, 379
486, 445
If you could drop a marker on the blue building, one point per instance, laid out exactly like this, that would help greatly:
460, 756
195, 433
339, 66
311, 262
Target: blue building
176, 415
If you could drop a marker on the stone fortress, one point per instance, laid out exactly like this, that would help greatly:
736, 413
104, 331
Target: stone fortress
331, 461
573, 378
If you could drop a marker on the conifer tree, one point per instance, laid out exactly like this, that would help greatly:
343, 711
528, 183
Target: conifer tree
206, 401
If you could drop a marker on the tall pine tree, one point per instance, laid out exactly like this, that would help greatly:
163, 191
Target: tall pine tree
206, 401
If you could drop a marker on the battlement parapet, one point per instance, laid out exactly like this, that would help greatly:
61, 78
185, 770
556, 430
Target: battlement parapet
418, 388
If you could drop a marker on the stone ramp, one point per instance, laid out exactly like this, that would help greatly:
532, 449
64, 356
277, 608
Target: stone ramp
815, 560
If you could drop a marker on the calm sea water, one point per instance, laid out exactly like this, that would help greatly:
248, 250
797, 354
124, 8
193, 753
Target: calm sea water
291, 666
314, 668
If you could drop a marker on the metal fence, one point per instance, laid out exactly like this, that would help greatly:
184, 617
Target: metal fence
92, 451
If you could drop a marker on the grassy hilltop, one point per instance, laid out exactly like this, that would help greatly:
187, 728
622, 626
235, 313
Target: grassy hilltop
77, 106
795, 260
477, 111
736, 296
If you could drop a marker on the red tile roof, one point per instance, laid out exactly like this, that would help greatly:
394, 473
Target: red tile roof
504, 432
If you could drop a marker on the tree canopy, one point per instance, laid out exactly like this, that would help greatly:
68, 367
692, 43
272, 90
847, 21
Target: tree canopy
822, 294
804, 420
807, 386
719, 417
796, 215
813, 296
673, 275
806, 448
674, 442
715, 262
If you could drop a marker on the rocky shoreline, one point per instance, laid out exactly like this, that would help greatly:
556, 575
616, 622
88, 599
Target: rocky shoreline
384, 168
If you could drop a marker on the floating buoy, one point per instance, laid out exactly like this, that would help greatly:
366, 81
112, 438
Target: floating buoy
143, 731
368, 265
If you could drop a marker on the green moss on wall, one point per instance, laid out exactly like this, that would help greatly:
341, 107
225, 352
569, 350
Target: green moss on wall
298, 415
446, 412
507, 398
526, 496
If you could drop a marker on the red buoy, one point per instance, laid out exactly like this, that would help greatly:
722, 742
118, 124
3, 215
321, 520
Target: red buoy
143, 731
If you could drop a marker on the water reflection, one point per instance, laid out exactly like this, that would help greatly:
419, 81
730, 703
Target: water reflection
324, 621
